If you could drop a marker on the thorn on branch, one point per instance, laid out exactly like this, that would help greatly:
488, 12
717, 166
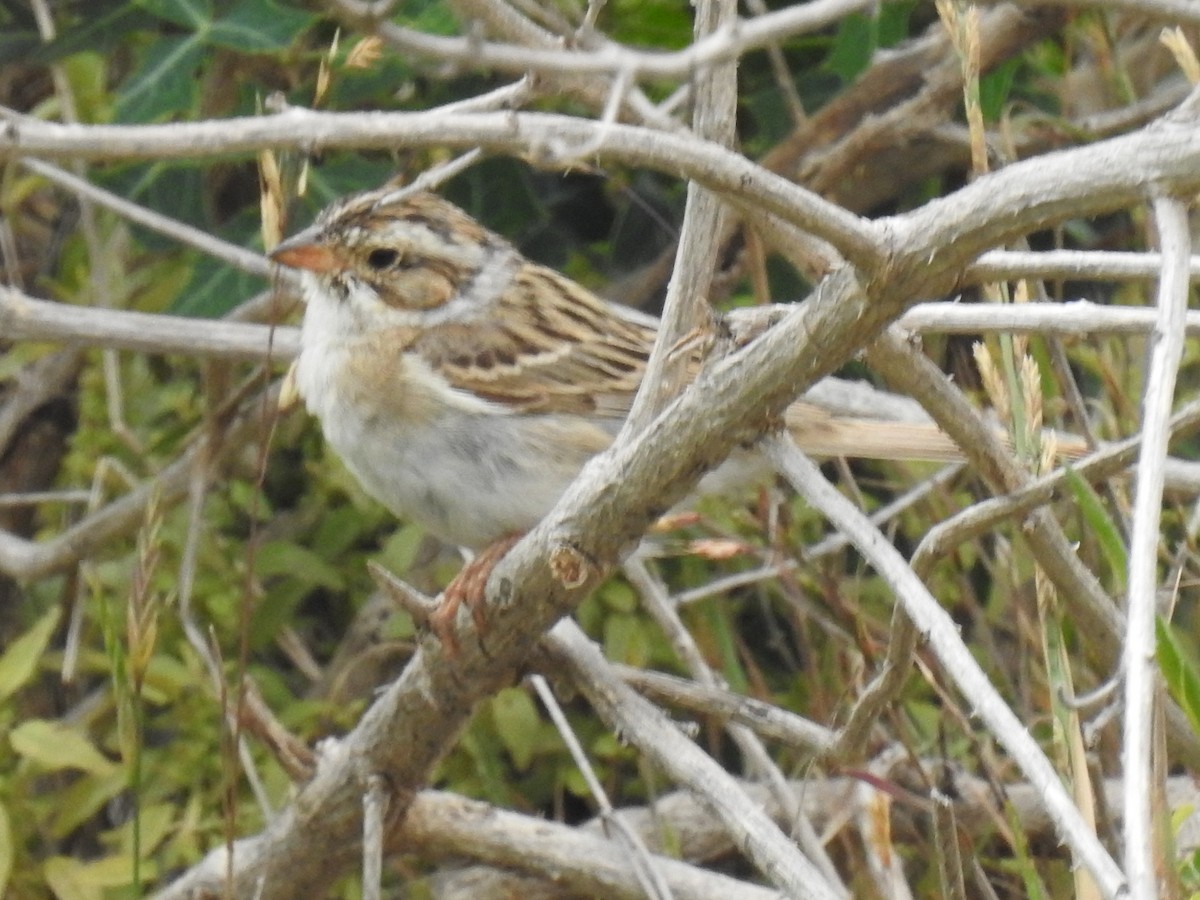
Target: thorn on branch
408, 598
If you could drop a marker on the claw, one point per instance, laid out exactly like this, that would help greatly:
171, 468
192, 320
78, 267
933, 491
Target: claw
469, 586
441, 622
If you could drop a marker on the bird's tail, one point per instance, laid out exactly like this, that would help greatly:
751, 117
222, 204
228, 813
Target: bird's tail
820, 432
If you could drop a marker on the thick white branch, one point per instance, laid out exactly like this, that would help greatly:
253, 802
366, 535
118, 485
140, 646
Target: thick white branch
1139, 658
1181, 11
1077, 265
723, 45
26, 318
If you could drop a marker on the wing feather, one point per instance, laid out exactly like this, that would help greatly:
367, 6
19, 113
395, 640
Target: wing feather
577, 356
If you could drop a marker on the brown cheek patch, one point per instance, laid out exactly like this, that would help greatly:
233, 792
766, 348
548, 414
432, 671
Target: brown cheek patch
421, 288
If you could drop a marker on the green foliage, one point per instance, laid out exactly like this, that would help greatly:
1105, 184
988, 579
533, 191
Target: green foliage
20, 660
7, 849
995, 89
662, 24
1101, 527
51, 747
164, 81
125, 774
855, 44
1177, 663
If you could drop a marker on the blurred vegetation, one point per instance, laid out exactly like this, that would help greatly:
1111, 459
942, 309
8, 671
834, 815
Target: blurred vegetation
113, 780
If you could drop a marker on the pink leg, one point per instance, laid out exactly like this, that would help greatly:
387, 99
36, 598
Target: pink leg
469, 586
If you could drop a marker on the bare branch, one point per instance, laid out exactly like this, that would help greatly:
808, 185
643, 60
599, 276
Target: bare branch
1181, 11
1082, 265
446, 826
685, 311
238, 257
944, 640
1011, 202
762, 842
1076, 318
724, 45
1138, 662
765, 719
549, 138
1095, 613
24, 318
28, 559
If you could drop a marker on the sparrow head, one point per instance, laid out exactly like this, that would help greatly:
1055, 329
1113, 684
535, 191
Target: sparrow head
414, 255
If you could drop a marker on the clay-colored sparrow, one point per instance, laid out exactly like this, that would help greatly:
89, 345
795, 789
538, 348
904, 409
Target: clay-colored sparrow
465, 386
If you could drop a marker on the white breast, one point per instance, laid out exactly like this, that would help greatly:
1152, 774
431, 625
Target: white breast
466, 469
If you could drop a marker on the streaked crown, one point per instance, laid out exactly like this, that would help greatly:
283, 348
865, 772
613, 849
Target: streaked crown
414, 251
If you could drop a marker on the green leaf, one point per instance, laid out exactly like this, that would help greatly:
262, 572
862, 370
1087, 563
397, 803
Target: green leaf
434, 18
21, 659
722, 631
857, 38
259, 26
662, 24
68, 879
625, 639
55, 747
88, 76
342, 528
216, 288
590, 614
156, 821
173, 188
340, 175
517, 722
167, 679
1183, 680
399, 551
995, 88
893, 21
79, 802
619, 597
166, 81
489, 777
194, 15
1101, 524
283, 558
6, 850
106, 26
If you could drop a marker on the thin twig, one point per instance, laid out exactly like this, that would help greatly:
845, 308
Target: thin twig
762, 842
722, 46
685, 310
1072, 265
764, 719
946, 643
654, 599
1138, 661
232, 254
375, 804
649, 876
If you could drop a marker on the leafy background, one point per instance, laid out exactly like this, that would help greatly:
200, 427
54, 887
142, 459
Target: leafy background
113, 780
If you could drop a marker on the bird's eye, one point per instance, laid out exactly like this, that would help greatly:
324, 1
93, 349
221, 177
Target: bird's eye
382, 258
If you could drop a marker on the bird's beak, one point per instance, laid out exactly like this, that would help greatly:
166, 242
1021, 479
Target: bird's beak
307, 251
